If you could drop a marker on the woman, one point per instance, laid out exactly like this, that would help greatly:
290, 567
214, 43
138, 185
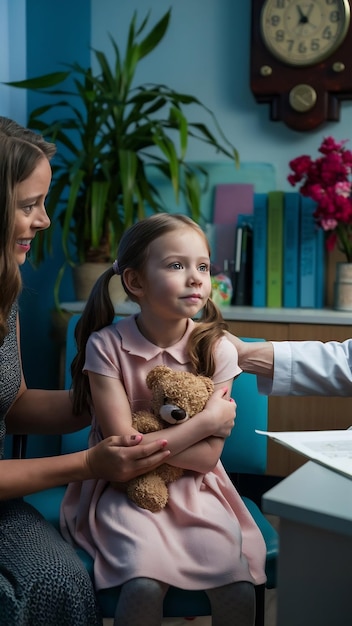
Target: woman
41, 579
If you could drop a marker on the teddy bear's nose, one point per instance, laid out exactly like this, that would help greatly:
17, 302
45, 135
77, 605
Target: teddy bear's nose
173, 414
178, 414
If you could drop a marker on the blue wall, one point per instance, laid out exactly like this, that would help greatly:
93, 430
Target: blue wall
56, 33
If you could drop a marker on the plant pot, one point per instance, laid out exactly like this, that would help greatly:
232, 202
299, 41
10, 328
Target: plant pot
86, 274
343, 287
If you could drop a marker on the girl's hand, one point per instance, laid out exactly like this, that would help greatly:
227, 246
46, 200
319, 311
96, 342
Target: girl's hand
222, 412
120, 458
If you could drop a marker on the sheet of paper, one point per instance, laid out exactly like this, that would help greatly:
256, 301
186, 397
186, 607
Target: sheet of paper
332, 448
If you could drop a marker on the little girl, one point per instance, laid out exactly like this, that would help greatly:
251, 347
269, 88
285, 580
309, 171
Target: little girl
205, 537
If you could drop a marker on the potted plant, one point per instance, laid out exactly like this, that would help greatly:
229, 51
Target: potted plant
109, 132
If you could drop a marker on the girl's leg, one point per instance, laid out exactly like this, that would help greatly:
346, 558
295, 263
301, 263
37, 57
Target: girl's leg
233, 605
141, 602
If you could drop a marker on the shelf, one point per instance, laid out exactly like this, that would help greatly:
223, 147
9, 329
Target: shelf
288, 316
249, 314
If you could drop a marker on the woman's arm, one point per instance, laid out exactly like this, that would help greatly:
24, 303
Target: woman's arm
42, 411
215, 422
115, 459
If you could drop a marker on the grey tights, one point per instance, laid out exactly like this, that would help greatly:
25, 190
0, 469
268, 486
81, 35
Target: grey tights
233, 605
141, 603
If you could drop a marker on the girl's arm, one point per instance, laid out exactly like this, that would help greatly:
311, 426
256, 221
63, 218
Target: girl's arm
207, 429
204, 455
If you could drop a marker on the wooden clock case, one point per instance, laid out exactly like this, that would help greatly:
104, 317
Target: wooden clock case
323, 85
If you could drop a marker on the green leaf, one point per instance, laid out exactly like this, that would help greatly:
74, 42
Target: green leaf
155, 36
100, 190
40, 82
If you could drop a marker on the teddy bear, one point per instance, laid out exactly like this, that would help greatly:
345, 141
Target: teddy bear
176, 397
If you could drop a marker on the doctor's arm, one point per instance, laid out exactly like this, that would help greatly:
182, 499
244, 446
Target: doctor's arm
298, 367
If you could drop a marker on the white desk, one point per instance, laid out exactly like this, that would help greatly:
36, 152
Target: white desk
314, 505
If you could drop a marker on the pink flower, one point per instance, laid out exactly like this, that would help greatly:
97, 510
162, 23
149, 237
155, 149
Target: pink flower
343, 189
327, 180
328, 224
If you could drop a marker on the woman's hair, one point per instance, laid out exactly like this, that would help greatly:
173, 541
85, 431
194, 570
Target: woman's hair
20, 151
133, 253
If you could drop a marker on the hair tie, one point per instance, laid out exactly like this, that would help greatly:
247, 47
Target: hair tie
115, 267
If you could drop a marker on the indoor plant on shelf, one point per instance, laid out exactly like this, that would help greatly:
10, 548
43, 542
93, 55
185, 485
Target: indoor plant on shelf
109, 132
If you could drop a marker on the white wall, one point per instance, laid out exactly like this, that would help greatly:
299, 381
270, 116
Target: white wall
206, 53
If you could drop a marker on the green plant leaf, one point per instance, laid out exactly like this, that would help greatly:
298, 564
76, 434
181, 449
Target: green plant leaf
100, 190
40, 82
155, 36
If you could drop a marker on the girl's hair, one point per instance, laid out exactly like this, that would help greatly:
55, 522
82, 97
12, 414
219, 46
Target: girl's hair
20, 151
99, 311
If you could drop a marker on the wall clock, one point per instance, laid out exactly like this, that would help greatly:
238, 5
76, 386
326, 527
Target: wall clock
301, 59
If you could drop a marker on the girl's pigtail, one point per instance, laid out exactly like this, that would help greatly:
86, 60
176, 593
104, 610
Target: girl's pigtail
98, 313
206, 333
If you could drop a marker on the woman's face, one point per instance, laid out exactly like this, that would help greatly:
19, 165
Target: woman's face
31, 215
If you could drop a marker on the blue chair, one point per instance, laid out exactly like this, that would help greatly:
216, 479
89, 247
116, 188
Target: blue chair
244, 452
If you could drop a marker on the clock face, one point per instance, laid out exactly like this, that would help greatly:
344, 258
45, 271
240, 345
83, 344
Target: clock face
302, 32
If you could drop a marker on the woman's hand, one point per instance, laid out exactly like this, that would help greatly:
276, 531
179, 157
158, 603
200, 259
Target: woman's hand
254, 357
120, 458
241, 347
222, 413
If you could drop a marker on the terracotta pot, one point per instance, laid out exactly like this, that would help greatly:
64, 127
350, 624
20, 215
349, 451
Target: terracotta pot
343, 287
85, 275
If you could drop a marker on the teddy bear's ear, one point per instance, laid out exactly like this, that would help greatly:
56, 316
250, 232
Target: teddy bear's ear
208, 384
156, 374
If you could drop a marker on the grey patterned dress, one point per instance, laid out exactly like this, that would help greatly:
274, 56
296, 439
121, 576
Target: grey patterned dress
42, 581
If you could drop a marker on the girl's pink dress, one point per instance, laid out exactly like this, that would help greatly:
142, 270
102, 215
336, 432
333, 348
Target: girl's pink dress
205, 537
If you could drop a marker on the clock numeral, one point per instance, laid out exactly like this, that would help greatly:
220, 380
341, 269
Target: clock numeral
275, 20
334, 17
280, 35
327, 34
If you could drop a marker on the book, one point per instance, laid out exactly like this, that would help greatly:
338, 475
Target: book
242, 279
230, 200
290, 249
260, 217
307, 254
332, 448
320, 270
275, 249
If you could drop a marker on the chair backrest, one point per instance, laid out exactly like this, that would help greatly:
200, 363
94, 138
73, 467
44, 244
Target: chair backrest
244, 452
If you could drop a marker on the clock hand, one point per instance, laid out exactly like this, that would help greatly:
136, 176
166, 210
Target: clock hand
302, 17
